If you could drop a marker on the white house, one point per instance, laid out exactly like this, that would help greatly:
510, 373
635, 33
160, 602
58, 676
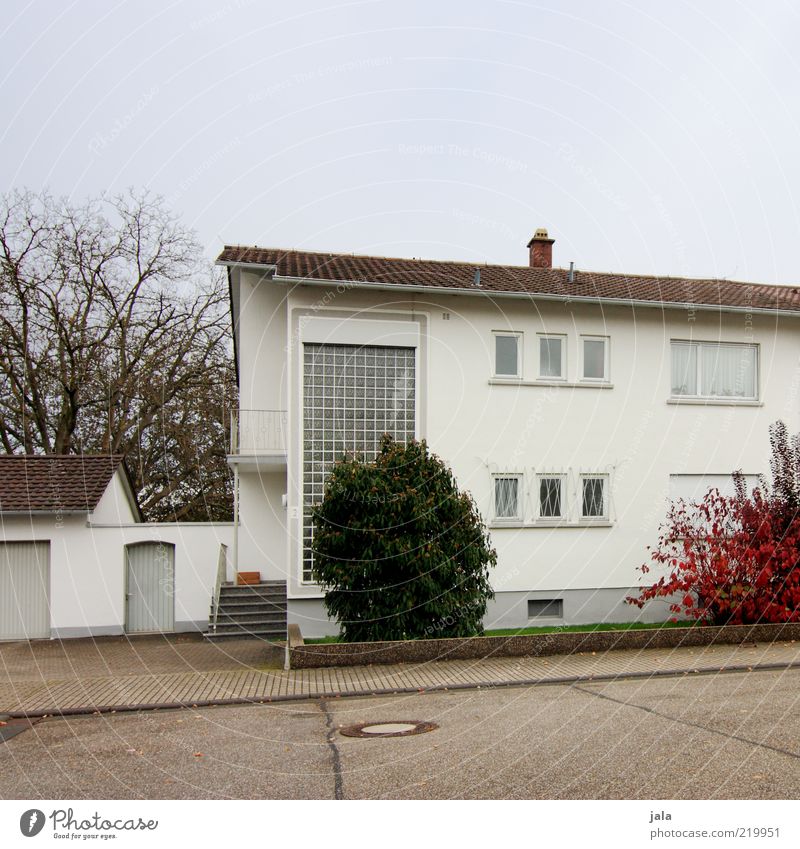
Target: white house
571, 404
76, 559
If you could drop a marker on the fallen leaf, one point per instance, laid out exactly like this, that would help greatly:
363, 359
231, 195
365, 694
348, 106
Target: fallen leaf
198, 754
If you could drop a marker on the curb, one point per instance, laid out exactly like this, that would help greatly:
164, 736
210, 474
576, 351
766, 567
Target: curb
54, 713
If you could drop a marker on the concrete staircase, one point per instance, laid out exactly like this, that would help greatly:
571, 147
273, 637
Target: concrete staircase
253, 610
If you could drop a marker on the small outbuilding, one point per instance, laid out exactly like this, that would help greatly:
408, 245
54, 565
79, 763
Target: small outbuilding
77, 560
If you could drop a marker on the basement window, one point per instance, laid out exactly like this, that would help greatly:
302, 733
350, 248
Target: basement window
545, 608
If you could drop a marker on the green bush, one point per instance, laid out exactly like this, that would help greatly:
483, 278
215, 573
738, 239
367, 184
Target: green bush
398, 550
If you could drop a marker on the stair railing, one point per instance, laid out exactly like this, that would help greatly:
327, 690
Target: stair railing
222, 576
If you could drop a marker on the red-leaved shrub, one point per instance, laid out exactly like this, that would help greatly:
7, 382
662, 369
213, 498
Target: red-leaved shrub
735, 559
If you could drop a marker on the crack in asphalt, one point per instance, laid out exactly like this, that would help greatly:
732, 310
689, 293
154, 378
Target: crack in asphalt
330, 737
689, 723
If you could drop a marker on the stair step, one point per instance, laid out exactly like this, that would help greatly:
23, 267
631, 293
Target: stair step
248, 592
255, 616
252, 616
239, 601
257, 603
266, 636
250, 628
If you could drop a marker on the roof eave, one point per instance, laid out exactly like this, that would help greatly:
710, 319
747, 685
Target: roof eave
270, 268
48, 512
568, 298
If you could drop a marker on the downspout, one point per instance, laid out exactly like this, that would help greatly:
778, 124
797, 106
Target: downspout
235, 522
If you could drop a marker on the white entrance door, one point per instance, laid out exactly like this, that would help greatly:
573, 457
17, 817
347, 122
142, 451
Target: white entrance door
24, 590
151, 587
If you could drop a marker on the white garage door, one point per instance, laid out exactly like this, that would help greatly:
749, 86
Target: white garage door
151, 587
24, 590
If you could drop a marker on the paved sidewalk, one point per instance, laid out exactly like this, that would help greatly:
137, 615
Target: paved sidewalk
72, 678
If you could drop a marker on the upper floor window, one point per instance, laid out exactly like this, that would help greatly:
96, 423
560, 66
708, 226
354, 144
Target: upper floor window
508, 354
714, 370
594, 358
552, 357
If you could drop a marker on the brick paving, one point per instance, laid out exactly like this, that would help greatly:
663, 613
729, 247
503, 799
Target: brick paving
122, 674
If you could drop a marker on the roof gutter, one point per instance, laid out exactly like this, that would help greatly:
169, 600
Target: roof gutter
535, 296
270, 268
32, 514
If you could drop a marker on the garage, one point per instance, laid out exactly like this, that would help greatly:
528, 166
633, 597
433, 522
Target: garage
24, 590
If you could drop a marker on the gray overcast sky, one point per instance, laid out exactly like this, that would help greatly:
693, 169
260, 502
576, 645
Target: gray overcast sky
648, 137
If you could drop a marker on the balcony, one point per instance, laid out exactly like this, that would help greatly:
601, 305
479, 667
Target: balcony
258, 437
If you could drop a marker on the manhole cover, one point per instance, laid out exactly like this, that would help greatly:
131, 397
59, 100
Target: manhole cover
387, 729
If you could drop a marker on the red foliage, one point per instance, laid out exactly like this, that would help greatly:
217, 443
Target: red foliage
735, 559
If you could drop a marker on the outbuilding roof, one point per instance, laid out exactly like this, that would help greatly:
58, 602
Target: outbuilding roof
54, 483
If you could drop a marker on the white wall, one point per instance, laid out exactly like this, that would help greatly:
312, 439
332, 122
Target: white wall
262, 524
629, 431
115, 503
87, 569
262, 342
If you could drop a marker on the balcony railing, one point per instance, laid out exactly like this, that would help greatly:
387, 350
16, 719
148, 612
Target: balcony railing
258, 432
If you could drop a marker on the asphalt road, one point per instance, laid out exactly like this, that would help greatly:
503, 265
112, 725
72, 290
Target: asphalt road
722, 736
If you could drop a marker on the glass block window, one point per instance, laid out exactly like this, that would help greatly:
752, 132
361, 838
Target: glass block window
352, 395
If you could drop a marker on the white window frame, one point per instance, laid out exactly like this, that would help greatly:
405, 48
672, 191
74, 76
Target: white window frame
515, 335
594, 337
698, 345
606, 495
562, 337
552, 520
508, 520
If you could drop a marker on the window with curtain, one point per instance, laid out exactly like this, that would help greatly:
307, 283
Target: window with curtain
714, 370
551, 356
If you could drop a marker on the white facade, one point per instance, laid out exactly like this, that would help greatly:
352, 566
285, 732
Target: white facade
614, 419
88, 566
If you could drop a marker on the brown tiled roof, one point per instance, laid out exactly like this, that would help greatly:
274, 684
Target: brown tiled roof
54, 483
517, 279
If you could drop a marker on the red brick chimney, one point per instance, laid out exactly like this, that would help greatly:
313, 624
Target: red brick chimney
541, 248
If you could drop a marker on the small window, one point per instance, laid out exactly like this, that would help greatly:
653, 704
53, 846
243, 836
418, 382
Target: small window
594, 352
507, 355
593, 500
507, 498
552, 608
552, 357
551, 496
714, 370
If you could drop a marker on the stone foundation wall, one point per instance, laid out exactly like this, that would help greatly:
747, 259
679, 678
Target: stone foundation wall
304, 656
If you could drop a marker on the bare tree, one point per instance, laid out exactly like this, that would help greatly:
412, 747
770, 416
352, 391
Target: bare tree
115, 337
